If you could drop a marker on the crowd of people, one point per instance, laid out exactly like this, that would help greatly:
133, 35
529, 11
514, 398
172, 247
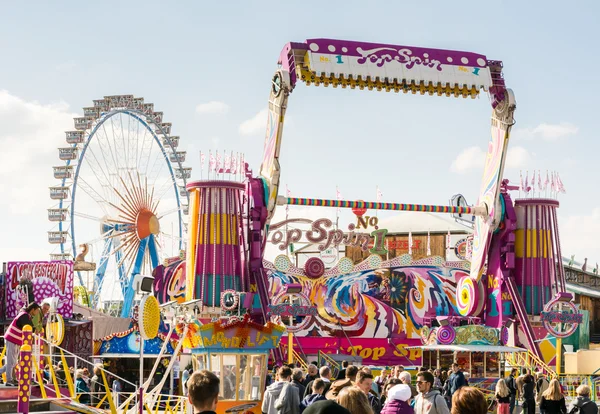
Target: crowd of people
356, 391
536, 392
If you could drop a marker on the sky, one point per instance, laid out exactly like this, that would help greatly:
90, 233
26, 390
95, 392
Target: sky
208, 66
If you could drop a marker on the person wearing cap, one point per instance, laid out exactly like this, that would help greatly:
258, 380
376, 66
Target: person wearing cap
396, 402
326, 407
429, 400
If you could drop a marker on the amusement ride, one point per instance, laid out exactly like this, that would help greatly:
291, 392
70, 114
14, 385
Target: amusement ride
124, 195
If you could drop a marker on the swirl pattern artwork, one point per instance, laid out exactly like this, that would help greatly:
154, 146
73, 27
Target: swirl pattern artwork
395, 302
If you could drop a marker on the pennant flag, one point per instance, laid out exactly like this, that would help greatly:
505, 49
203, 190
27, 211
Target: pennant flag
547, 181
379, 194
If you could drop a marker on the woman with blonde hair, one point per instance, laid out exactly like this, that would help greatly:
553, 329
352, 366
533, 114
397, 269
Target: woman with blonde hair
503, 397
553, 400
355, 400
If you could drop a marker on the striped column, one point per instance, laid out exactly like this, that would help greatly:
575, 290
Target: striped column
215, 247
25, 372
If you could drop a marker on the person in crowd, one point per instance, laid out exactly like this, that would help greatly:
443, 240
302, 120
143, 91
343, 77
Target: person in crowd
541, 385
282, 396
381, 379
86, 377
185, 376
325, 374
117, 389
326, 407
397, 370
511, 383
406, 378
13, 339
318, 387
355, 400
502, 397
342, 373
203, 392
396, 402
313, 374
456, 380
288, 401
429, 400
386, 387
364, 381
553, 400
438, 383
97, 385
339, 385
582, 403
468, 400
81, 388
528, 395
297, 375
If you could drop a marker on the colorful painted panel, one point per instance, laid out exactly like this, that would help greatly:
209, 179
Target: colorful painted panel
128, 342
49, 279
169, 282
398, 63
393, 300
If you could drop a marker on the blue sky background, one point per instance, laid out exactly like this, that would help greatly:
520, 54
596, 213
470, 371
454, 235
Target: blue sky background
56, 57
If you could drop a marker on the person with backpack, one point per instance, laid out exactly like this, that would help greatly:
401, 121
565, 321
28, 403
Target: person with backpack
583, 404
429, 400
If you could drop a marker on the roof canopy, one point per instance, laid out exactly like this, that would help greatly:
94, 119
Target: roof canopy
468, 348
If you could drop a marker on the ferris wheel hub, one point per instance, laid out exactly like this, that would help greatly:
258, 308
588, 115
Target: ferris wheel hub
146, 223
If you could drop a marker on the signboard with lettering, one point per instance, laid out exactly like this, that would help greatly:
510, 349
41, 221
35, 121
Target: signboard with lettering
49, 279
239, 334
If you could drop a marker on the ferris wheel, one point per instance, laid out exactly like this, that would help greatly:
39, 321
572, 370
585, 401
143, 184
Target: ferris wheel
121, 196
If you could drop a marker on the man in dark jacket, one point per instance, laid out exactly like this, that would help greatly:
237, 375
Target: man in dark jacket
297, 375
325, 374
457, 379
342, 373
512, 387
318, 387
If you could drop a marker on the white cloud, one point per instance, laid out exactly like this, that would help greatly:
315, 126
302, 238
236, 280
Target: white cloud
468, 159
256, 124
579, 236
30, 134
548, 132
473, 158
213, 108
517, 157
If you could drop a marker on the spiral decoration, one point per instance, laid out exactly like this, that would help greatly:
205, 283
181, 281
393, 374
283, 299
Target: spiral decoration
469, 297
504, 335
149, 317
282, 263
345, 265
446, 335
314, 267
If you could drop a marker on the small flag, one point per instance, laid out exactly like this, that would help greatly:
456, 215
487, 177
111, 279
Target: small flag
218, 161
202, 157
211, 161
522, 183
233, 164
547, 181
379, 194
527, 183
539, 180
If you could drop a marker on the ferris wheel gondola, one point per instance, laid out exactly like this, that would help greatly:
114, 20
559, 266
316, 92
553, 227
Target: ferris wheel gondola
120, 193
